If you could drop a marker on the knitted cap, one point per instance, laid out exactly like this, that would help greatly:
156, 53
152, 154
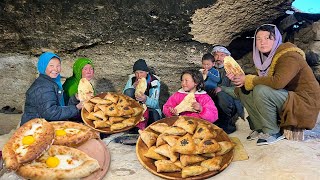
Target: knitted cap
141, 65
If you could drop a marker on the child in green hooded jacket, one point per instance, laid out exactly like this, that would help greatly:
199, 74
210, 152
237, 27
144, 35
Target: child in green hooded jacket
82, 68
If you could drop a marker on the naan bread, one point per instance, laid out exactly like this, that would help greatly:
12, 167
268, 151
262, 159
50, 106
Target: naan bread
72, 134
204, 75
85, 90
60, 162
212, 164
186, 104
231, 66
28, 143
141, 87
166, 166
193, 171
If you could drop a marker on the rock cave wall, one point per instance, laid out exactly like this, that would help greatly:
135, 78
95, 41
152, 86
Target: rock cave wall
170, 35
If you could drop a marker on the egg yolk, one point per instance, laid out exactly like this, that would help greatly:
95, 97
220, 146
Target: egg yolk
52, 162
27, 140
60, 132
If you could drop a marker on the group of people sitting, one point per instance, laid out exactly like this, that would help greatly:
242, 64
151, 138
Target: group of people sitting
284, 93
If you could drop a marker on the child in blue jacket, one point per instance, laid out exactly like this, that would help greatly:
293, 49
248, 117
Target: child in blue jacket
211, 75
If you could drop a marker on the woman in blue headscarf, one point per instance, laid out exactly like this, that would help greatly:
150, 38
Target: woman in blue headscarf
44, 98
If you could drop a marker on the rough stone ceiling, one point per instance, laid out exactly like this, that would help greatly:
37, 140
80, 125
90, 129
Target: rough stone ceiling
228, 19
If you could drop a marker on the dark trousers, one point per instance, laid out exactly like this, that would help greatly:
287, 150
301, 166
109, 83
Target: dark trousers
228, 111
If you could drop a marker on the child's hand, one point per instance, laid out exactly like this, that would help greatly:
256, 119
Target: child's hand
173, 111
80, 105
141, 98
196, 106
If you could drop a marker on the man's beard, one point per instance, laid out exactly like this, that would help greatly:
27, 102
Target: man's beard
219, 65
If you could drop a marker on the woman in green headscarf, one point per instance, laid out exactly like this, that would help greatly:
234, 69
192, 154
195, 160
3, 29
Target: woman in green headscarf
82, 68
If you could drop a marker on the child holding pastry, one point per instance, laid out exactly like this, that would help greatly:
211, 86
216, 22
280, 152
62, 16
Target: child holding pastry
211, 75
201, 106
149, 96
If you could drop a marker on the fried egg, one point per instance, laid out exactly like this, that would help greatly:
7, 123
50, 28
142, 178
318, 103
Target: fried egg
63, 132
63, 162
27, 139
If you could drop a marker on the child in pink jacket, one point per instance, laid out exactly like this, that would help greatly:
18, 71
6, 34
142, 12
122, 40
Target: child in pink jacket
192, 81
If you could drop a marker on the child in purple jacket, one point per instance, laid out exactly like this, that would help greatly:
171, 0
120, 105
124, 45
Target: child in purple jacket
192, 81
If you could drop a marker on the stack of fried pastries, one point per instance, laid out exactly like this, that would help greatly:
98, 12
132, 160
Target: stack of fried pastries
111, 110
188, 146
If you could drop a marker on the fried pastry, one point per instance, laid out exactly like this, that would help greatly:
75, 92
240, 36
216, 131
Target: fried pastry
185, 145
203, 132
171, 139
98, 100
190, 159
166, 150
96, 108
125, 110
137, 111
111, 97
159, 127
226, 146
129, 121
153, 155
212, 164
123, 101
101, 124
193, 171
208, 146
116, 119
100, 114
166, 166
88, 106
187, 125
149, 138
117, 126
175, 131
92, 117
160, 140
112, 110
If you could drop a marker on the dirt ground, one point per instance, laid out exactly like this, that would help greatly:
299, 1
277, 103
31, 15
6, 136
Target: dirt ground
282, 160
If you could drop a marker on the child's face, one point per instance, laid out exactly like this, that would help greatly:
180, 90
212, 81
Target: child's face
188, 83
140, 74
53, 68
207, 64
87, 72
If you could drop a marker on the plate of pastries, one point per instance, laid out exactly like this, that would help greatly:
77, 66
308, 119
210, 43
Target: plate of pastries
111, 112
184, 147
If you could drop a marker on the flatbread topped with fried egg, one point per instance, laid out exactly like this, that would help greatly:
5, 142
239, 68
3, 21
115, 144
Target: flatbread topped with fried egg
60, 162
72, 134
28, 143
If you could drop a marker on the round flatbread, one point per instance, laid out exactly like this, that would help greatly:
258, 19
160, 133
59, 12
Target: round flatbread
231, 66
72, 134
141, 87
60, 162
186, 104
85, 90
28, 143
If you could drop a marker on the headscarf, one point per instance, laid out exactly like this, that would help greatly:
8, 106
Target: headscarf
71, 85
263, 68
43, 62
221, 49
